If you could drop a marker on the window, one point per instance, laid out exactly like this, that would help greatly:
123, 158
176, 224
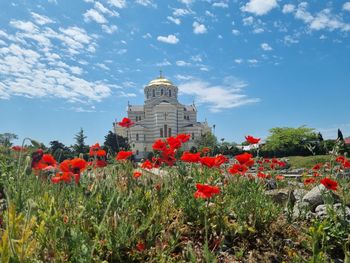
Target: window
153, 93
188, 118
169, 132
137, 152
137, 136
161, 133
161, 92
147, 94
169, 93
192, 135
184, 117
137, 118
144, 137
165, 130
165, 114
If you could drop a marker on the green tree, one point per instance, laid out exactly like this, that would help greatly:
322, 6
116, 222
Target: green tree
113, 143
206, 140
60, 151
6, 138
80, 146
285, 141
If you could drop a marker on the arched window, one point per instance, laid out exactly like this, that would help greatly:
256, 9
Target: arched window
153, 93
137, 136
161, 133
169, 132
170, 93
161, 92
192, 135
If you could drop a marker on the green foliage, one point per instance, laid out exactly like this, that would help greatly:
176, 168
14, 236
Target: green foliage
60, 151
80, 147
307, 161
6, 138
114, 143
206, 140
290, 141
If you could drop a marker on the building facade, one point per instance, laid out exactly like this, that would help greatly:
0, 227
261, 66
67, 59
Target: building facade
160, 117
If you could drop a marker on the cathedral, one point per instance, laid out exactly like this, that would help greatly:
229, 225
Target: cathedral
161, 116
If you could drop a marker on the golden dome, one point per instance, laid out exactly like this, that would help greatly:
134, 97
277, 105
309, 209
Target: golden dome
160, 81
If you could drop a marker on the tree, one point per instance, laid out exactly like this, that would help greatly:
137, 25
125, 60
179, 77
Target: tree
290, 141
6, 138
340, 136
114, 143
60, 151
206, 140
80, 146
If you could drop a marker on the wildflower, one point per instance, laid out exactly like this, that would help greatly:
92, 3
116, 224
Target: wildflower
183, 137
340, 159
190, 157
346, 164
101, 153
94, 149
78, 165
317, 167
36, 157
252, 140
62, 177
147, 165
126, 123
329, 183
309, 181
140, 246
123, 155
262, 175
174, 143
207, 161
205, 150
244, 158
280, 177
220, 159
159, 145
45, 161
206, 191
316, 174
238, 169
18, 148
137, 174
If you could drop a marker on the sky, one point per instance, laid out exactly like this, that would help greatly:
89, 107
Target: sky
248, 65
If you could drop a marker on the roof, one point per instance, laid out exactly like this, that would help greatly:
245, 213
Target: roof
135, 108
160, 81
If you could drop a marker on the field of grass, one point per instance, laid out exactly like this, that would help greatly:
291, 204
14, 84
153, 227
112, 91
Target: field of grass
307, 161
196, 211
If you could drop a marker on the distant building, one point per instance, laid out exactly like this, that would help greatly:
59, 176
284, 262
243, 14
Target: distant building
160, 117
347, 141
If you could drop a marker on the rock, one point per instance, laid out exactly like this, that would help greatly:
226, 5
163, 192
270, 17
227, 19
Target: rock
315, 196
298, 194
270, 184
301, 209
279, 196
321, 211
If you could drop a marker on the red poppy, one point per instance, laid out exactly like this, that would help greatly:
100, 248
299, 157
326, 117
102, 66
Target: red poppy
174, 143
316, 174
183, 137
262, 175
45, 161
220, 159
18, 148
147, 165
140, 246
346, 164
159, 145
261, 168
340, 159
205, 150
190, 157
317, 166
126, 123
208, 161
244, 158
94, 149
65, 166
101, 153
206, 191
157, 162
78, 165
137, 174
123, 155
168, 157
238, 169
281, 164
329, 183
280, 177
252, 140
62, 177
309, 181
100, 163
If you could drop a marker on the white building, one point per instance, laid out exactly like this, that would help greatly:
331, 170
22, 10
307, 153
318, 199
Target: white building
160, 117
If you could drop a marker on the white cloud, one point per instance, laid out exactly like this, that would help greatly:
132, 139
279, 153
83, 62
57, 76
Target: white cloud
186, 2
146, 3
182, 63
266, 47
164, 63
248, 21
199, 28
238, 61
183, 77
258, 30
197, 58
259, 7
290, 40
93, 15
288, 8
176, 21
102, 66
182, 12
25, 26
126, 95
109, 29
117, 3
253, 61
122, 51
235, 32
220, 4
346, 6
170, 39
102, 9
147, 35
227, 95
40, 19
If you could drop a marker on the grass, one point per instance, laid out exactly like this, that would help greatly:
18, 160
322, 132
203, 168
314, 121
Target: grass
307, 161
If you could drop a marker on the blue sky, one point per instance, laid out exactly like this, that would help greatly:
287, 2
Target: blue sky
248, 65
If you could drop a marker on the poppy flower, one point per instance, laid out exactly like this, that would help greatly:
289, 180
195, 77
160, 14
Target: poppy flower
157, 162
317, 166
159, 145
123, 155
147, 165
280, 177
190, 157
252, 140
238, 169
205, 150
262, 175
101, 153
78, 165
346, 164
94, 149
206, 191
174, 143
208, 161
18, 148
137, 174
309, 181
168, 157
183, 137
340, 159
62, 177
100, 163
244, 158
45, 161
316, 174
126, 123
220, 159
140, 246
329, 183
